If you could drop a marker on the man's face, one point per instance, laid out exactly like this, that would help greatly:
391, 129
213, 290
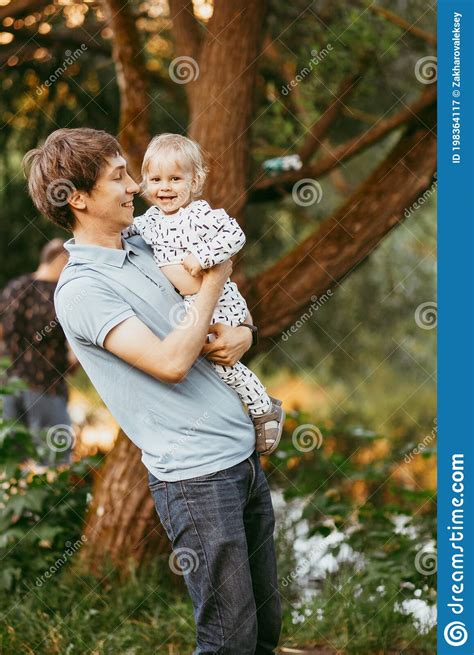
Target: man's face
111, 200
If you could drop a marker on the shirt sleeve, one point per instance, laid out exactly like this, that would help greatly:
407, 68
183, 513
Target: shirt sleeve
221, 236
87, 310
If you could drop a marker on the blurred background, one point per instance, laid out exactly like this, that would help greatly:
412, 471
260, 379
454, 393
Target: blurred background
318, 124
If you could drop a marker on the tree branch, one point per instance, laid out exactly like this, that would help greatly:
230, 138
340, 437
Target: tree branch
22, 8
324, 122
268, 188
70, 38
343, 241
404, 24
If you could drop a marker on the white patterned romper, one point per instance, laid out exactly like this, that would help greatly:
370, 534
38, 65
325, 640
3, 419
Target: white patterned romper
212, 236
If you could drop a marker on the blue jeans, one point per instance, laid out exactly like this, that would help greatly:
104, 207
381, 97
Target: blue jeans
221, 528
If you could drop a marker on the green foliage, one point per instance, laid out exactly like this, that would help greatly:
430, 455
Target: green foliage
363, 346
41, 514
345, 482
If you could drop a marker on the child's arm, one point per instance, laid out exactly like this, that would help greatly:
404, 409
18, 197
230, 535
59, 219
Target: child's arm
223, 236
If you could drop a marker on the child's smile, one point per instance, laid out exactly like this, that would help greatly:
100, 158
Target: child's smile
169, 186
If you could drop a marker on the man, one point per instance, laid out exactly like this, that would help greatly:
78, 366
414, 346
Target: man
36, 347
127, 325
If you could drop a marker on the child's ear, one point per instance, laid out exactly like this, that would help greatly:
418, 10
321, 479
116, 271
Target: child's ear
194, 184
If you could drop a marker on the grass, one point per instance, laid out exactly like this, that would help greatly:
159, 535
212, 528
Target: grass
355, 620
145, 613
76, 613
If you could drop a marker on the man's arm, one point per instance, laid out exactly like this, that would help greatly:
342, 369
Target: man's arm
170, 359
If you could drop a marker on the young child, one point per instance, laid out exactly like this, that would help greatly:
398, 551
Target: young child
187, 236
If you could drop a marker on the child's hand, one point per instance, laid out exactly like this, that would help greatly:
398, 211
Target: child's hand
192, 265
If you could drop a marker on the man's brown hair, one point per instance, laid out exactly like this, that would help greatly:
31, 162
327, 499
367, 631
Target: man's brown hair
69, 160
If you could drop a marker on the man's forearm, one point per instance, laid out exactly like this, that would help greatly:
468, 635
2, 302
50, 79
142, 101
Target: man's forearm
184, 343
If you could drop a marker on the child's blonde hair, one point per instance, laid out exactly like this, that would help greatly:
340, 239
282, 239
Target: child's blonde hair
186, 152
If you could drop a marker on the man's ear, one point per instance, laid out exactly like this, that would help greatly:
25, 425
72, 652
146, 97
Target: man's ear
77, 200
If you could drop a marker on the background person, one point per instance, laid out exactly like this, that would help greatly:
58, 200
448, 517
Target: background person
39, 355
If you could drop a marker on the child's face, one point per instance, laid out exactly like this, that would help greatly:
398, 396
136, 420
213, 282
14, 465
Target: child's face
169, 185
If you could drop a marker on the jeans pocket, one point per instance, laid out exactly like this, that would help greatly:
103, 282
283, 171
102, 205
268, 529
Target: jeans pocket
157, 484
154, 482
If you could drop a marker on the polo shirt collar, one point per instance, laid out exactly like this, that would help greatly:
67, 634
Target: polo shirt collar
99, 254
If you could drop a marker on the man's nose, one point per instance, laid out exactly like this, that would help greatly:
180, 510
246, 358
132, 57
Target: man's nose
133, 187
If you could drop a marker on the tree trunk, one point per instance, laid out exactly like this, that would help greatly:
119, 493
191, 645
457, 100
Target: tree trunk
122, 522
132, 82
221, 98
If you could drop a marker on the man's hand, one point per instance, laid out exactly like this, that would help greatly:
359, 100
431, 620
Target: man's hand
230, 344
192, 265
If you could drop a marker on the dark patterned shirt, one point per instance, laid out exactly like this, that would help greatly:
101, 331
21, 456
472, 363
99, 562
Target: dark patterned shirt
34, 340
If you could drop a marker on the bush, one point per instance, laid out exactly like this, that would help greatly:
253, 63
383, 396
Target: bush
41, 513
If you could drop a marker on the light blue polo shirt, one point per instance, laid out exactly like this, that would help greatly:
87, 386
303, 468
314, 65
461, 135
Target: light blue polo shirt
192, 428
